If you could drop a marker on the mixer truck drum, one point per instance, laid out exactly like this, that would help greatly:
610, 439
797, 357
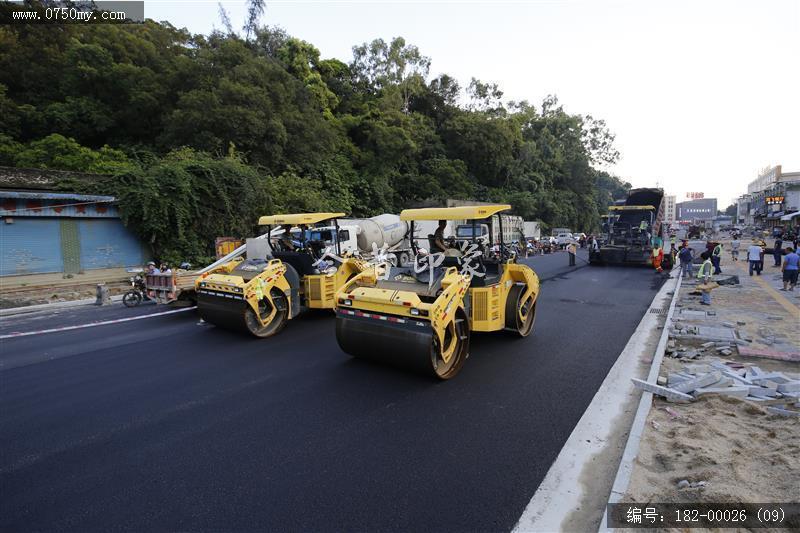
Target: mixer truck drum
237, 315
404, 343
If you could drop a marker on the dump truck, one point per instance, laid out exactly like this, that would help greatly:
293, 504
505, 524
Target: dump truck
421, 316
630, 229
276, 282
511, 227
532, 229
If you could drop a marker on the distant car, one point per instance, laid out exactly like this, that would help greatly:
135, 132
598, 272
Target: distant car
562, 239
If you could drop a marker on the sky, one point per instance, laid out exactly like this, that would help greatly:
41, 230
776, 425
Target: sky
702, 95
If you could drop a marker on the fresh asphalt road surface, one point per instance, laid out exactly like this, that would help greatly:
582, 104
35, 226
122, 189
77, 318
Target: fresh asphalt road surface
167, 424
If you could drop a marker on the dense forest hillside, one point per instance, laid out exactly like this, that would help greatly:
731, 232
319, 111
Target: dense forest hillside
204, 133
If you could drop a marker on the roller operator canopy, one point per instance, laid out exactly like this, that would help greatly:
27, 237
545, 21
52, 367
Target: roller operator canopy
466, 212
631, 207
297, 218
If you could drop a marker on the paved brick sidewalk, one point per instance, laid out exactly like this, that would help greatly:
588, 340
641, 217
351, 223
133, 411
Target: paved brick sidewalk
720, 448
771, 316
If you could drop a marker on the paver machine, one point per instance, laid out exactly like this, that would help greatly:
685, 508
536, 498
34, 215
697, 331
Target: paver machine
421, 316
276, 283
629, 229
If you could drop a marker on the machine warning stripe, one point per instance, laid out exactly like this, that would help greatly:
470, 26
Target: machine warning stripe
385, 318
221, 294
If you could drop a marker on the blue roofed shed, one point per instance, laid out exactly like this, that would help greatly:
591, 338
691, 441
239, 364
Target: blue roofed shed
44, 231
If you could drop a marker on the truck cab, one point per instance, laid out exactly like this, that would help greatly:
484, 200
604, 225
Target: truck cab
468, 232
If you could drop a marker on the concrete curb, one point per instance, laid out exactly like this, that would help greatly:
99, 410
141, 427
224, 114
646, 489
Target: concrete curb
564, 491
623, 477
53, 306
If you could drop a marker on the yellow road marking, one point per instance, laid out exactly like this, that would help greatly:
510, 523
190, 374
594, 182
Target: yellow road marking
778, 297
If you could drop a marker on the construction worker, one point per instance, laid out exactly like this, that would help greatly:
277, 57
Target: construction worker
285, 240
572, 249
704, 274
438, 238
686, 257
777, 251
644, 235
658, 258
716, 256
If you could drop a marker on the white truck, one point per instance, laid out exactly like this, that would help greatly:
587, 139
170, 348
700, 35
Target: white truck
513, 229
532, 230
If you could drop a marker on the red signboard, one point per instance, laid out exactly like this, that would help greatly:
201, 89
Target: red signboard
695, 195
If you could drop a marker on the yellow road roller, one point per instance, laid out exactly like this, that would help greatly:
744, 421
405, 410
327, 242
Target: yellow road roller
302, 270
421, 316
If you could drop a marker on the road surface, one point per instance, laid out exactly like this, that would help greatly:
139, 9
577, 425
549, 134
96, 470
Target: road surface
171, 424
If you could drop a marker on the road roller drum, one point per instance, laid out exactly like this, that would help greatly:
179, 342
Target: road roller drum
421, 319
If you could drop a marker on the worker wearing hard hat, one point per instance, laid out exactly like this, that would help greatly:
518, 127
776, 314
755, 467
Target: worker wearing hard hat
572, 250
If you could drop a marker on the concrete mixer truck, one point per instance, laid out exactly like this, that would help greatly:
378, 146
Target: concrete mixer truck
385, 233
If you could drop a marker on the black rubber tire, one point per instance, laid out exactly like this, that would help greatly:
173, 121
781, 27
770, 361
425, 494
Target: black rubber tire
277, 323
459, 328
524, 326
132, 298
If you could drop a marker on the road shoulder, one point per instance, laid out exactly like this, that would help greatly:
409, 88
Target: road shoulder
574, 492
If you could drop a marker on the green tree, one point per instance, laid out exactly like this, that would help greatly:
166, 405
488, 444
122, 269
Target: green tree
382, 66
58, 152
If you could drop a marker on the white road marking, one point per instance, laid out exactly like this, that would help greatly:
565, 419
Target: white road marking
93, 324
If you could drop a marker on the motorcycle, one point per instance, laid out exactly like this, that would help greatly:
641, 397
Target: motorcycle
137, 293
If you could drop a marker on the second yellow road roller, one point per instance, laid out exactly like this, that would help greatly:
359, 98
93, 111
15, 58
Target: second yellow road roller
262, 292
421, 316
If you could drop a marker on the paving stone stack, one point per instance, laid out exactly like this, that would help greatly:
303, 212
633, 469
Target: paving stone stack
777, 392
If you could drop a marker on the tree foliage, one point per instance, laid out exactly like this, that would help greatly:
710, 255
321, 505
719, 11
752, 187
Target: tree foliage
206, 133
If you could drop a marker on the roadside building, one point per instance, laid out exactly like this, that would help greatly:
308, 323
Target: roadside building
743, 215
773, 195
47, 231
702, 209
669, 210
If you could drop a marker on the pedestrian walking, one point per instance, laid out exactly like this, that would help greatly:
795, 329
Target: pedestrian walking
754, 257
790, 268
572, 250
777, 252
704, 274
716, 256
686, 256
735, 243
